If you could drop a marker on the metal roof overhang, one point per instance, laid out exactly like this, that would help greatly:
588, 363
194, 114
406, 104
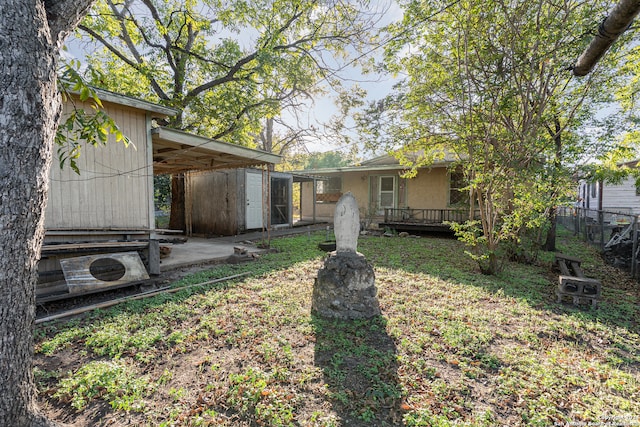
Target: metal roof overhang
175, 151
117, 98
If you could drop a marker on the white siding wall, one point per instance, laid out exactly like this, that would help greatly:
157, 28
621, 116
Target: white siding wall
112, 190
621, 197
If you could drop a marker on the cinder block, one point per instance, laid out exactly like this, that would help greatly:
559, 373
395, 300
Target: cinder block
579, 289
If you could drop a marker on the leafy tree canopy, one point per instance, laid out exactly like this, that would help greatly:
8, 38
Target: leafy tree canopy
226, 65
317, 160
490, 81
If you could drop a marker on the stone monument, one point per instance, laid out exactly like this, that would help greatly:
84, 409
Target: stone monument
345, 286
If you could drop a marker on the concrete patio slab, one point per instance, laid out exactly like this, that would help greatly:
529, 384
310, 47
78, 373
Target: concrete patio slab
198, 250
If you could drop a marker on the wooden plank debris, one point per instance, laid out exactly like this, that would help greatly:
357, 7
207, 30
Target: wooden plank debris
147, 294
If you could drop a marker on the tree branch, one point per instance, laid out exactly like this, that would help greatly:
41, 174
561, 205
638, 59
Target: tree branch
166, 49
608, 32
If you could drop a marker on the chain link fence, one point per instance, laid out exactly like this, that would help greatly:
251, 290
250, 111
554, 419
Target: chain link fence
614, 233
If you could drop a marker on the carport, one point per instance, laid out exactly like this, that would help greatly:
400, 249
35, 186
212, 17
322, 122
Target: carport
227, 189
175, 152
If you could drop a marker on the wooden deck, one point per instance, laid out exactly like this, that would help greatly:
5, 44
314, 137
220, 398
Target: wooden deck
423, 219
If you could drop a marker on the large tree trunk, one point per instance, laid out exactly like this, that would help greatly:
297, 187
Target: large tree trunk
29, 110
550, 242
31, 33
618, 21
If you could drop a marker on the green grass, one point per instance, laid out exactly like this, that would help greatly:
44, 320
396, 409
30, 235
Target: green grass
452, 347
111, 381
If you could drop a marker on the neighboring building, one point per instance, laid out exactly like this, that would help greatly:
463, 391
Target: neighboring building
622, 198
386, 198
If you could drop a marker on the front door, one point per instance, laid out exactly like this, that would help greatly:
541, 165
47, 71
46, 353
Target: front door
254, 200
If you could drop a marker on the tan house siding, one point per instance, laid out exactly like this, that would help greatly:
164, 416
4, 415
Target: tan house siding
324, 210
306, 199
428, 190
113, 185
358, 184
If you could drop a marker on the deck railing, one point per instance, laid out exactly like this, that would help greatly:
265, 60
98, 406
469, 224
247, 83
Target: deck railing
425, 216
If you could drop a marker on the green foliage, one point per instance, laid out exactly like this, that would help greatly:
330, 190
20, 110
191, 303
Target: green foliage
162, 192
488, 84
327, 159
358, 358
316, 160
224, 65
81, 127
254, 394
470, 232
453, 347
107, 380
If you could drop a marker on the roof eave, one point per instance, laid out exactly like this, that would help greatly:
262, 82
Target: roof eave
117, 98
372, 168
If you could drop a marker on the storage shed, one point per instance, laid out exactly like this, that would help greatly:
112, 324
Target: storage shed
107, 208
233, 201
112, 194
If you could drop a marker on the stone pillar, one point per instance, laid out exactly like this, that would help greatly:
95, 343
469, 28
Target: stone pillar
345, 286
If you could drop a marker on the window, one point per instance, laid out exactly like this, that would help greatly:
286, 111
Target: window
329, 190
385, 192
387, 197
330, 185
457, 194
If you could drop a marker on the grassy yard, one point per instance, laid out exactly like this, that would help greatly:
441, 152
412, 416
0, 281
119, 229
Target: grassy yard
453, 347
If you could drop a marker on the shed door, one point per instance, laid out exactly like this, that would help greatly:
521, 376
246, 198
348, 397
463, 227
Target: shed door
254, 200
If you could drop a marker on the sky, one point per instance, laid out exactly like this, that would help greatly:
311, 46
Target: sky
376, 86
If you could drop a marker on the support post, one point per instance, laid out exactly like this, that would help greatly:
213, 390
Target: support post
601, 221
154, 257
314, 192
634, 251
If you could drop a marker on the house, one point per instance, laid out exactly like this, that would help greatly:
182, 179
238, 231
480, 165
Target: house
385, 198
108, 207
620, 198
